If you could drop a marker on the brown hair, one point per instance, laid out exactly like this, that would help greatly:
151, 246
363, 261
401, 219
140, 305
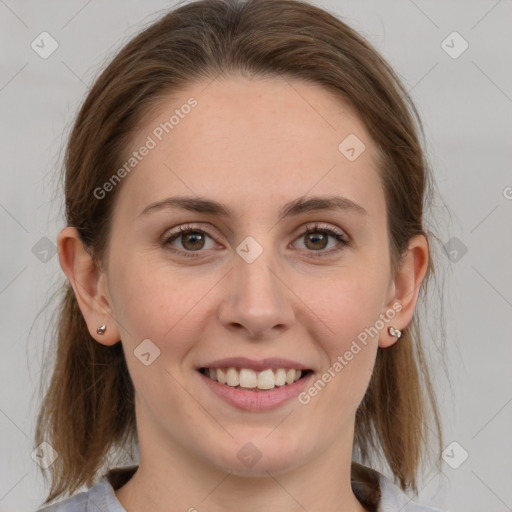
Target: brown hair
88, 409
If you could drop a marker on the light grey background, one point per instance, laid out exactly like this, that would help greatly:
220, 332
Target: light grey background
466, 106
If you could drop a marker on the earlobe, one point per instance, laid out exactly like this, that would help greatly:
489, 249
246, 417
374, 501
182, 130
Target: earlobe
406, 286
88, 282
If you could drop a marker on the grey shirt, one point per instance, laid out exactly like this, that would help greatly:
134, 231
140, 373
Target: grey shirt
383, 496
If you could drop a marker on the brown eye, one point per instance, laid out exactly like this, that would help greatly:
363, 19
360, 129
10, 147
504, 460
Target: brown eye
191, 240
316, 239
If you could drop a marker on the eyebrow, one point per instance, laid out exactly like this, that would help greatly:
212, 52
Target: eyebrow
292, 208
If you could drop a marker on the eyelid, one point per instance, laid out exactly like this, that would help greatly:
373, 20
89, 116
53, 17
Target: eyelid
310, 226
321, 226
184, 228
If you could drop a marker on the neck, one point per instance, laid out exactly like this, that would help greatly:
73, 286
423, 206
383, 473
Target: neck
170, 477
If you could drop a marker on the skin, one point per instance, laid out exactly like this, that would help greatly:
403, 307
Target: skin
252, 145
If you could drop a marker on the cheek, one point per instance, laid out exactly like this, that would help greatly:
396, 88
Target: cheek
165, 307
157, 303
349, 305
350, 312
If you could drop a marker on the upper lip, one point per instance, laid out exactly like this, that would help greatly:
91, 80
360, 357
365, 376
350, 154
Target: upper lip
255, 364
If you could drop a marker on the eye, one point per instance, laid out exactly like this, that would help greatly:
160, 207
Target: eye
317, 239
192, 240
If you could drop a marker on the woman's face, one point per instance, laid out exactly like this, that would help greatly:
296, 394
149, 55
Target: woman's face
250, 282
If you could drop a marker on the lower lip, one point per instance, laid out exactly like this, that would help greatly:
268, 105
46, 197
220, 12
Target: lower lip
257, 400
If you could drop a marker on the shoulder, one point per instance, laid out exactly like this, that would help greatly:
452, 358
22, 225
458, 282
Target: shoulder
99, 497
77, 503
393, 499
379, 494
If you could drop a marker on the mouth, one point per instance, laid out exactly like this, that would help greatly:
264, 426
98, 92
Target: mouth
248, 379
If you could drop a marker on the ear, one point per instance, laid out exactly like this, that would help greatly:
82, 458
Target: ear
89, 284
405, 288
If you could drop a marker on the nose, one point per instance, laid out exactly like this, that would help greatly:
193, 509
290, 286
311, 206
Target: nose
257, 302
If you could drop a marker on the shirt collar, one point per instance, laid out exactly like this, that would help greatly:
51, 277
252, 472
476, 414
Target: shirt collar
376, 492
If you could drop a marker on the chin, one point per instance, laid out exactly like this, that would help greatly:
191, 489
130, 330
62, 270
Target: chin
254, 460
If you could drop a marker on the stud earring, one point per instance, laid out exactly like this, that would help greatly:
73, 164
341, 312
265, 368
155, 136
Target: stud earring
395, 332
101, 330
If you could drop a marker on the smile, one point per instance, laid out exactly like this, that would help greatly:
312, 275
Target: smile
246, 378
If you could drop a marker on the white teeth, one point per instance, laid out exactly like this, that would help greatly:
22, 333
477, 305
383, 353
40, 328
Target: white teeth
232, 377
266, 379
221, 376
250, 379
280, 379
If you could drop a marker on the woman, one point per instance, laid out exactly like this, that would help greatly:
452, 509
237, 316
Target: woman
231, 157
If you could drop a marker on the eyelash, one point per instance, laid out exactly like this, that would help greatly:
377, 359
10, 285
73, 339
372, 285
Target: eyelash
315, 229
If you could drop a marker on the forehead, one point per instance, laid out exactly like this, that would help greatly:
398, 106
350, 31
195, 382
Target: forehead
250, 141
